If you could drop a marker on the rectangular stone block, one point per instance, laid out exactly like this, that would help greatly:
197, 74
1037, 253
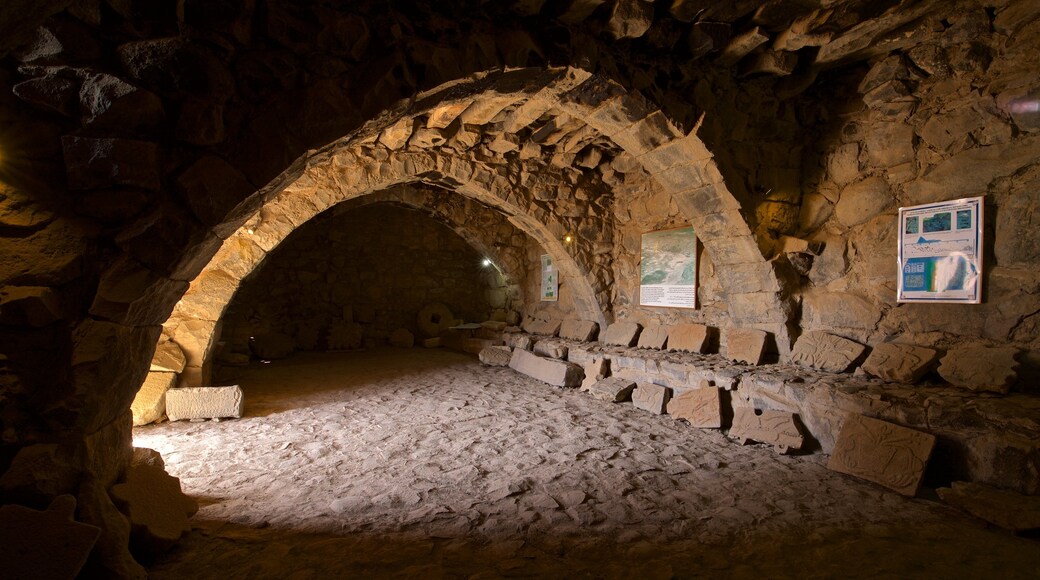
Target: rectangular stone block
826, 352
595, 369
902, 363
746, 345
517, 340
150, 402
688, 338
655, 337
551, 349
882, 452
204, 403
542, 327
580, 330
554, 372
777, 428
651, 397
614, 389
621, 334
496, 356
701, 407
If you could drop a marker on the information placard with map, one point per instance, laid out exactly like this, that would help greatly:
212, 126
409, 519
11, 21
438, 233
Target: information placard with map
550, 280
668, 269
940, 252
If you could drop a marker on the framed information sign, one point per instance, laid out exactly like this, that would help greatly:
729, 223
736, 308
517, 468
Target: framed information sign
668, 269
940, 252
550, 280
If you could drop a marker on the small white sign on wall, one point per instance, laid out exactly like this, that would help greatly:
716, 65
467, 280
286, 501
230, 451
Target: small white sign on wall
940, 252
550, 280
668, 269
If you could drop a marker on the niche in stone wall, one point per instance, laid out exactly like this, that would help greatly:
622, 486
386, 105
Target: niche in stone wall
353, 275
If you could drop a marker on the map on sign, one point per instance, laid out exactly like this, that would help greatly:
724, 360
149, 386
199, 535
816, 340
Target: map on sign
668, 269
550, 280
940, 252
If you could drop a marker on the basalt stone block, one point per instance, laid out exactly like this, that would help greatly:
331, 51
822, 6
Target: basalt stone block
204, 403
777, 428
981, 368
746, 345
701, 407
614, 389
554, 372
551, 349
688, 338
655, 337
651, 397
621, 334
882, 452
902, 363
496, 356
580, 330
44, 544
826, 352
596, 368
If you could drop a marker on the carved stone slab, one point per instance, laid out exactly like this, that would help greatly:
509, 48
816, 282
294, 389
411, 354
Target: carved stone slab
580, 330
613, 389
496, 356
621, 334
701, 407
980, 368
746, 345
547, 370
204, 403
595, 369
653, 337
551, 349
1007, 509
157, 509
882, 452
902, 363
827, 352
150, 402
688, 338
651, 397
47, 544
777, 428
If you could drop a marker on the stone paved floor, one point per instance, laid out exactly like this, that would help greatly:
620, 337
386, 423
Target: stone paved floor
417, 463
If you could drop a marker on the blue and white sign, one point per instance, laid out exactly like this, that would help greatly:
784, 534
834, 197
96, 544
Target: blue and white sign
940, 252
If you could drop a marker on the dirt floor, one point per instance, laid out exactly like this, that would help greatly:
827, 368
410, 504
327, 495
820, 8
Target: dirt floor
424, 463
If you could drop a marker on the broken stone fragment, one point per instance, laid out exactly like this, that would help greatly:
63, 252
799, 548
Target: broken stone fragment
688, 338
595, 369
554, 372
702, 407
746, 345
542, 327
44, 544
168, 358
776, 428
157, 509
496, 356
580, 330
516, 340
101, 163
551, 348
981, 368
826, 352
655, 337
1007, 509
882, 452
902, 363
204, 403
614, 389
149, 404
651, 397
621, 334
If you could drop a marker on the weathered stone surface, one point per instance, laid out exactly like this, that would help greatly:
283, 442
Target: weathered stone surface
44, 544
204, 403
827, 352
551, 349
157, 509
401, 338
517, 340
581, 330
981, 368
777, 428
542, 327
554, 372
746, 345
614, 389
108, 101
863, 200
688, 338
101, 163
621, 334
882, 452
1007, 509
150, 403
434, 319
496, 356
903, 363
50, 93
655, 337
168, 358
702, 407
216, 192
651, 397
111, 556
597, 368
272, 345
31, 305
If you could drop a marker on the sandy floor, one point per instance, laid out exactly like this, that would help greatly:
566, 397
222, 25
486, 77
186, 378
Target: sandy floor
418, 463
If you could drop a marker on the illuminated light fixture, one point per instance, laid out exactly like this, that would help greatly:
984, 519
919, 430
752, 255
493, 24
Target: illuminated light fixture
249, 231
486, 262
567, 238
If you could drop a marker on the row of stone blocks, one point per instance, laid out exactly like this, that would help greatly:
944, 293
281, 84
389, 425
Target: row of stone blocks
866, 447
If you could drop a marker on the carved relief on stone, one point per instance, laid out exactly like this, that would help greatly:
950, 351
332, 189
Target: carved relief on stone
903, 363
827, 352
621, 334
596, 368
701, 407
882, 452
651, 397
981, 368
688, 338
777, 428
653, 337
746, 345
